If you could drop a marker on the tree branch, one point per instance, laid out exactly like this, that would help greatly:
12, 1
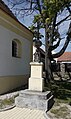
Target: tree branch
69, 31
56, 45
63, 49
53, 28
62, 20
68, 9
40, 11
38, 3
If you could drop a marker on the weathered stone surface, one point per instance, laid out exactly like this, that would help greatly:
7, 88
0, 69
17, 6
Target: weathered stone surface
35, 94
31, 103
33, 99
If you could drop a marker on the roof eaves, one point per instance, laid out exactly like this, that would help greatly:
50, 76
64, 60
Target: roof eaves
5, 8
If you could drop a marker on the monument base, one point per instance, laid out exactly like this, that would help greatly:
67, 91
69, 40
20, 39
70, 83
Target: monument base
34, 99
36, 84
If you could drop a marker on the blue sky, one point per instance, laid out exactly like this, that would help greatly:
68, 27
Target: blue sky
27, 21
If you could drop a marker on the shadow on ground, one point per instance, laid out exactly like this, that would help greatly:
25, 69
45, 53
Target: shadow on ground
60, 89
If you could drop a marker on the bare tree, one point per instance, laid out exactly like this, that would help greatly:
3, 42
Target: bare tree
47, 12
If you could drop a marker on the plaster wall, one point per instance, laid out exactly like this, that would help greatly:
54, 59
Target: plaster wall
14, 72
9, 65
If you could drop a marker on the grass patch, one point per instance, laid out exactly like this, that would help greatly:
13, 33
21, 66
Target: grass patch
58, 101
62, 112
6, 102
60, 89
62, 96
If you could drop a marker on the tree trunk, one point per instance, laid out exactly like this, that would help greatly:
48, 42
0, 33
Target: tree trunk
48, 68
48, 71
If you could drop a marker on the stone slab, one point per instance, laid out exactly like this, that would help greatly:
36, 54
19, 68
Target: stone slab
32, 99
31, 103
35, 94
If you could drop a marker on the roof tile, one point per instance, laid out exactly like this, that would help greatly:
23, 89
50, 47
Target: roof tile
66, 57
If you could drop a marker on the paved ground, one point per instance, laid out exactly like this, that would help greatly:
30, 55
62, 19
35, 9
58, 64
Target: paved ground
22, 113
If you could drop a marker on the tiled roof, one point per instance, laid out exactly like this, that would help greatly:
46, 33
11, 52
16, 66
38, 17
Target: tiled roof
22, 113
66, 57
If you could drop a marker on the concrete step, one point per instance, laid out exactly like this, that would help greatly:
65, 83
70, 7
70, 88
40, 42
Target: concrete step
32, 99
35, 94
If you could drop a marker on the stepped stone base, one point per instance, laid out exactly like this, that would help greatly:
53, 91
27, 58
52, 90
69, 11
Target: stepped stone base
34, 99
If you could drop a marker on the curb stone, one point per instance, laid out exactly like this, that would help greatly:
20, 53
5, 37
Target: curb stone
8, 108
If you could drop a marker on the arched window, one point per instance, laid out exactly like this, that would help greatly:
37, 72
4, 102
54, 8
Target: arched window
16, 48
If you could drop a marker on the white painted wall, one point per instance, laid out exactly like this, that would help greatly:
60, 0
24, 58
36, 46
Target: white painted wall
9, 65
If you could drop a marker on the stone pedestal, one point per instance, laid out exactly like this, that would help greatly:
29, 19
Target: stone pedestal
34, 100
36, 82
34, 97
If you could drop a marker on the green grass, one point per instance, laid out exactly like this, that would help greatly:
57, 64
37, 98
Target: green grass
62, 112
60, 89
62, 95
59, 101
6, 102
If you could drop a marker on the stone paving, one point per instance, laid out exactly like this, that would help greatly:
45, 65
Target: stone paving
22, 113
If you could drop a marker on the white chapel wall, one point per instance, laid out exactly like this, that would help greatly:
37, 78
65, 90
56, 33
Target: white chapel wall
9, 65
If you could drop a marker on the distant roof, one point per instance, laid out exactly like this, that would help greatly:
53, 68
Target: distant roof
66, 57
5, 8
